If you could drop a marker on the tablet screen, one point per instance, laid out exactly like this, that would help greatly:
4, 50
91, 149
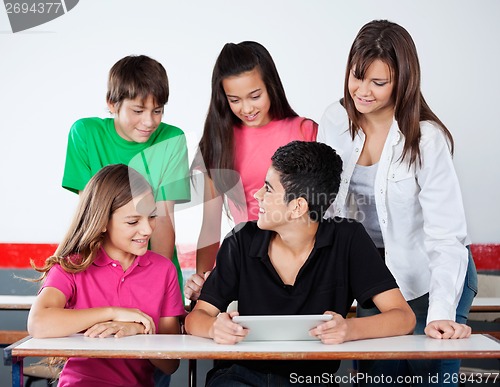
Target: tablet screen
282, 327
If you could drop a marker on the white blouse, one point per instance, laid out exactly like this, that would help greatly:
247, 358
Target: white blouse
419, 209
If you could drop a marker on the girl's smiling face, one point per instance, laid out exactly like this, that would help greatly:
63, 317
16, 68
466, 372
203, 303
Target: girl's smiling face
248, 98
373, 93
130, 227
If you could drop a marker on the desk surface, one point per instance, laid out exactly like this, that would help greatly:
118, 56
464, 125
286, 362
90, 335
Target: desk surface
190, 347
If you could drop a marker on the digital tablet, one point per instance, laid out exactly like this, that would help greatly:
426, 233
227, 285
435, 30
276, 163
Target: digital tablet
283, 327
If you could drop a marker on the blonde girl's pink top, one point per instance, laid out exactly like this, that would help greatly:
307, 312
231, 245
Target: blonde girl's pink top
149, 284
253, 150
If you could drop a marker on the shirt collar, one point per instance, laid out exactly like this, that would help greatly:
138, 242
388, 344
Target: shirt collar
395, 133
325, 234
103, 259
261, 240
260, 243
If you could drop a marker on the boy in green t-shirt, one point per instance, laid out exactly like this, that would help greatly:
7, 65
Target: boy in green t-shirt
137, 92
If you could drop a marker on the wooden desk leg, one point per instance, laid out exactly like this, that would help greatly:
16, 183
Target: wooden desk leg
17, 372
192, 373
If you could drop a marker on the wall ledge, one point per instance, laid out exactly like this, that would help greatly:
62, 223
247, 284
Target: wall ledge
17, 255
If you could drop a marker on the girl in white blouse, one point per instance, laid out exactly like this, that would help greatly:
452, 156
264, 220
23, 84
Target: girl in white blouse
399, 181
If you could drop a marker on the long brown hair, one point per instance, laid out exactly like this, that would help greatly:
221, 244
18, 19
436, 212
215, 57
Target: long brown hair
393, 45
109, 189
217, 142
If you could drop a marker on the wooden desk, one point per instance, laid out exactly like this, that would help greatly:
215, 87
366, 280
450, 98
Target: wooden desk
485, 305
14, 303
479, 305
190, 347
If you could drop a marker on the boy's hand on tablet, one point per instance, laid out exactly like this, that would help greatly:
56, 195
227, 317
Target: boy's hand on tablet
334, 331
225, 331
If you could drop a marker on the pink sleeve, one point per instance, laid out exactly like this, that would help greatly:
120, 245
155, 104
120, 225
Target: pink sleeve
309, 129
172, 300
61, 280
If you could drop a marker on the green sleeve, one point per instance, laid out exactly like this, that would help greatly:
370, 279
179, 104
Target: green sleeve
77, 171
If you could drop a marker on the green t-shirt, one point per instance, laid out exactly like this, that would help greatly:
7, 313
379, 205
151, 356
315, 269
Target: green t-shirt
94, 143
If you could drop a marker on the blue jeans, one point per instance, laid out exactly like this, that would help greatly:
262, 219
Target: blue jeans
161, 379
422, 372
238, 376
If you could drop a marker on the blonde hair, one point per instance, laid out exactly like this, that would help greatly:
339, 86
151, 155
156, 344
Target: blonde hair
109, 189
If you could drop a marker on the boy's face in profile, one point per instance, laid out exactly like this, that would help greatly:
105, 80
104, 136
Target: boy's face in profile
136, 119
273, 209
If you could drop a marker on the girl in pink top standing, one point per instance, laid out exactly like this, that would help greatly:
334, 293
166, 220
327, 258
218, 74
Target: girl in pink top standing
249, 117
103, 281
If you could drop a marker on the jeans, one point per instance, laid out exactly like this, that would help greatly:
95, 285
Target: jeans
422, 372
161, 379
239, 376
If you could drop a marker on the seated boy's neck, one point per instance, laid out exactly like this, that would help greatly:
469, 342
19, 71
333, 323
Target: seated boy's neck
289, 254
296, 236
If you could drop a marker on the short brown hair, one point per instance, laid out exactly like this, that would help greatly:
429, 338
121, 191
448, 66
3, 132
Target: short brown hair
137, 76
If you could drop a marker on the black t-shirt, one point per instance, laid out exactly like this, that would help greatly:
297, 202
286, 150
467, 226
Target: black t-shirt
344, 265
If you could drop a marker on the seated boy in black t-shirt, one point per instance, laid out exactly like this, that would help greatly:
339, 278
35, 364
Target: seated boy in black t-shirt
292, 261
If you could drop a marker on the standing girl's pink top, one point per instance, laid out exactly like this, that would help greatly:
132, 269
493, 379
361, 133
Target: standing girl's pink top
253, 150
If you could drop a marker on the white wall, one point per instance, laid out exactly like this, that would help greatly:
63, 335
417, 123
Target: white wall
56, 73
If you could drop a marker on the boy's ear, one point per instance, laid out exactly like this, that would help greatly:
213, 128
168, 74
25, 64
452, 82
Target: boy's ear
300, 208
112, 107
